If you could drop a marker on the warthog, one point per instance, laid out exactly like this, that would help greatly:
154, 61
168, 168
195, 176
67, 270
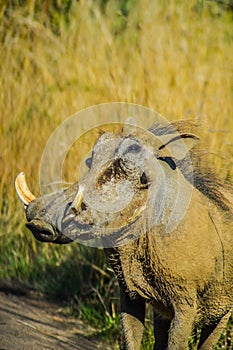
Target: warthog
165, 223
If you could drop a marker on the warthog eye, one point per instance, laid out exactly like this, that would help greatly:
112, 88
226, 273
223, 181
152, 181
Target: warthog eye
135, 148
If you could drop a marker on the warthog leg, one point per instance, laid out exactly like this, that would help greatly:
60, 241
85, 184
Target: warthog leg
211, 336
161, 331
132, 316
182, 325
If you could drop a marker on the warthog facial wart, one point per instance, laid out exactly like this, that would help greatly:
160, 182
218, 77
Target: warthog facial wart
165, 222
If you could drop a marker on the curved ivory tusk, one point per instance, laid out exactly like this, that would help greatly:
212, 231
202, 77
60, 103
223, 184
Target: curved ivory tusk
22, 189
77, 199
137, 212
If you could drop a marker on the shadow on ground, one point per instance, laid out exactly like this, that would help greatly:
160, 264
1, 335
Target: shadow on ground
29, 322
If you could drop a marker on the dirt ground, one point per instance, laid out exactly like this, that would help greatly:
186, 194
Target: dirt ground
29, 322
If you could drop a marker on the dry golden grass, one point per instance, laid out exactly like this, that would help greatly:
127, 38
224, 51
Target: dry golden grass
169, 56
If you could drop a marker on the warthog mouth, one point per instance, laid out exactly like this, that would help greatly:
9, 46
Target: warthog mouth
76, 230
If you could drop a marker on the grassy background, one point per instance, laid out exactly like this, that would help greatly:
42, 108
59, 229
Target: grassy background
57, 57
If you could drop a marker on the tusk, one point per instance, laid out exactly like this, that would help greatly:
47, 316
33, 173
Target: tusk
22, 190
77, 199
136, 213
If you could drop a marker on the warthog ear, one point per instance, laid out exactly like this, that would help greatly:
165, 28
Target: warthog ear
177, 146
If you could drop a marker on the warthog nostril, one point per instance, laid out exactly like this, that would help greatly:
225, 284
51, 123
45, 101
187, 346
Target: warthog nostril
43, 231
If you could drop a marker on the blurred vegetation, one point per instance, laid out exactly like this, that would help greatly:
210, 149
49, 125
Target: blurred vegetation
58, 57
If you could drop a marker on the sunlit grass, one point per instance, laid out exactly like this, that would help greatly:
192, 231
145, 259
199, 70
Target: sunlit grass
171, 56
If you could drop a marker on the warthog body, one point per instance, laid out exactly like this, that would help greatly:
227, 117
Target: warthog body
171, 246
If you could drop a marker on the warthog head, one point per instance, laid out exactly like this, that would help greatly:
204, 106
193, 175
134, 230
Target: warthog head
132, 184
